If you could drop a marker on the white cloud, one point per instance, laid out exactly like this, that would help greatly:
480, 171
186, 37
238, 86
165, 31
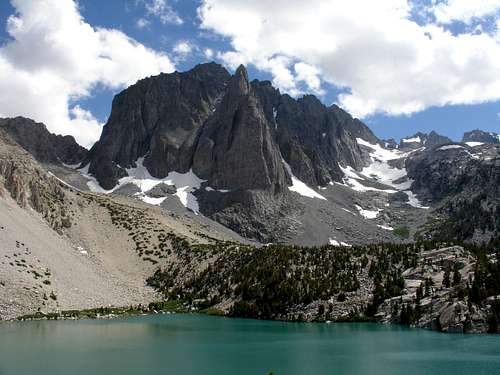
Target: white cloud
142, 23
183, 48
310, 75
162, 10
464, 10
386, 62
209, 53
56, 58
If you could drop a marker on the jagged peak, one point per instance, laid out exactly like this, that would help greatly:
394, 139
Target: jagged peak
239, 84
428, 139
241, 71
478, 135
210, 67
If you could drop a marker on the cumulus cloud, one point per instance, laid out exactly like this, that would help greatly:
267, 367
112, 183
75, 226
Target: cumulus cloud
384, 60
464, 10
162, 10
56, 58
183, 48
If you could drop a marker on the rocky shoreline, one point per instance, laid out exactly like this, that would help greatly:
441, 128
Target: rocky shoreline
166, 307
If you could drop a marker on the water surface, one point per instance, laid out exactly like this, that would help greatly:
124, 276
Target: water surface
198, 344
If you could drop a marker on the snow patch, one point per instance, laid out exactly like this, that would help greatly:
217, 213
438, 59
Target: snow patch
379, 169
352, 178
474, 144
82, 251
412, 140
151, 200
413, 200
208, 188
346, 210
449, 147
299, 187
333, 242
380, 153
368, 214
186, 184
382, 172
386, 227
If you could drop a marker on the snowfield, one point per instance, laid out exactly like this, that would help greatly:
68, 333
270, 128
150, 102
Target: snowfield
299, 187
185, 183
381, 171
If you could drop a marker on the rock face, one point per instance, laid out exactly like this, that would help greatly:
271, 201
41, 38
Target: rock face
43, 145
236, 148
236, 135
481, 136
231, 132
464, 184
30, 185
160, 117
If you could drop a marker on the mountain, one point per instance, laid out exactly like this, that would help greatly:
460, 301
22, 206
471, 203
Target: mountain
65, 249
274, 168
481, 136
147, 216
43, 145
423, 140
242, 143
177, 121
463, 183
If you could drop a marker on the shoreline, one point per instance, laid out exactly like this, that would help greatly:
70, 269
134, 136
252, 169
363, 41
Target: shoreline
178, 307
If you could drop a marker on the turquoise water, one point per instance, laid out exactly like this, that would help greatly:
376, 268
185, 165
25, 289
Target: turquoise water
198, 344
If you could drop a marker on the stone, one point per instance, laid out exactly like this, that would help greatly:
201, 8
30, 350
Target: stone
161, 190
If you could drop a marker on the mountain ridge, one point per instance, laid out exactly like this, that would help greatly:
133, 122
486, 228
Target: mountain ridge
271, 167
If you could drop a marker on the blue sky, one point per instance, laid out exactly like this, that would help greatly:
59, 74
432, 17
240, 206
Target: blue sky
162, 36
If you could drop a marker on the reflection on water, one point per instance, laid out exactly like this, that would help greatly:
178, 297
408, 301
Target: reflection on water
197, 344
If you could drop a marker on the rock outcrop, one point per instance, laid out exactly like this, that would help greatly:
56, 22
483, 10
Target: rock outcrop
481, 136
30, 185
431, 302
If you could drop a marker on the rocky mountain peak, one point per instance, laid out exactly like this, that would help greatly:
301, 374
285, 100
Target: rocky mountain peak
43, 145
481, 136
421, 139
245, 141
239, 81
158, 118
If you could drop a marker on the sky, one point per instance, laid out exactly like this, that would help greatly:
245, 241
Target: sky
401, 66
